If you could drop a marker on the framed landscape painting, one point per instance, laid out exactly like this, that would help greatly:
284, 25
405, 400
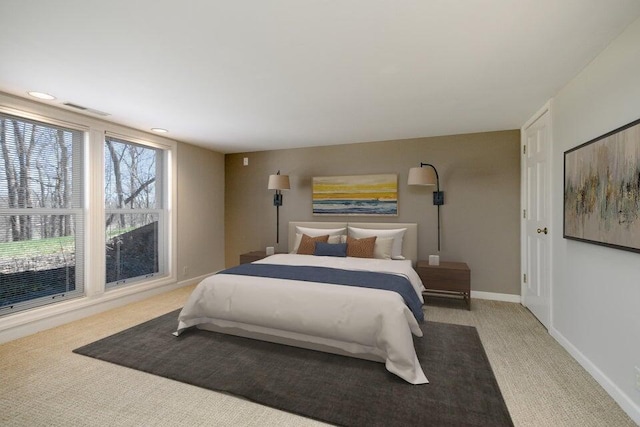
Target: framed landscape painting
375, 195
602, 190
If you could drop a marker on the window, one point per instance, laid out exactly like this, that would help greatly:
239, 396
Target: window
135, 211
58, 232
41, 213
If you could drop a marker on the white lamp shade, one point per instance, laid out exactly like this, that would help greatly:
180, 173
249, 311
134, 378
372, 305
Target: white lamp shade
279, 182
422, 176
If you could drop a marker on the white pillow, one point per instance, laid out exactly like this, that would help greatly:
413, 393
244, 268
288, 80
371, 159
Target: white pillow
382, 248
333, 238
315, 232
397, 234
336, 238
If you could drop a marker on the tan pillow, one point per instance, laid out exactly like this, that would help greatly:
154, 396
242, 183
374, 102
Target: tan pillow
308, 244
361, 248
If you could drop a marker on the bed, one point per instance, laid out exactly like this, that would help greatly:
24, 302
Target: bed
285, 298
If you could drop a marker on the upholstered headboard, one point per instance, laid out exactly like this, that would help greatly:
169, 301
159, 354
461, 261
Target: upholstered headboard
409, 243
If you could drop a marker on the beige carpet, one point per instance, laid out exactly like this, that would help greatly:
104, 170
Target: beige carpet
43, 384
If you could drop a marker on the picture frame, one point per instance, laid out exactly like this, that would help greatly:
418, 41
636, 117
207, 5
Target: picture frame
602, 190
355, 195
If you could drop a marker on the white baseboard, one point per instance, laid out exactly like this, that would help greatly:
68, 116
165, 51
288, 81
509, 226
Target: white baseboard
29, 322
622, 399
495, 296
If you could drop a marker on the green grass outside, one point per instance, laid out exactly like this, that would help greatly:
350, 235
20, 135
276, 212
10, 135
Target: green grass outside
30, 248
40, 247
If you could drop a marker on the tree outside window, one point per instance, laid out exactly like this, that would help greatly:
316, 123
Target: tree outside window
133, 208
41, 218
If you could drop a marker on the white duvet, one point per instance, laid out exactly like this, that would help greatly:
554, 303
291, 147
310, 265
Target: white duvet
360, 321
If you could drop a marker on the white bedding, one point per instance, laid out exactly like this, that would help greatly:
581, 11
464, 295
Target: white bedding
360, 321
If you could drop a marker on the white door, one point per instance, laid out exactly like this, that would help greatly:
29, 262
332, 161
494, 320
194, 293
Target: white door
536, 280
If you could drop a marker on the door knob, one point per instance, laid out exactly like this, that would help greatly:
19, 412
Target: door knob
543, 230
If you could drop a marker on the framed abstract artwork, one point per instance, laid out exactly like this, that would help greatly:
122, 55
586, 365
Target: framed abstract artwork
602, 190
369, 195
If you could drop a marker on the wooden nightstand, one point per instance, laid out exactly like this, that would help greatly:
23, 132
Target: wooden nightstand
253, 256
448, 278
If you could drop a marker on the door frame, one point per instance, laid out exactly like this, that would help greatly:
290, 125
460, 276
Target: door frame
546, 108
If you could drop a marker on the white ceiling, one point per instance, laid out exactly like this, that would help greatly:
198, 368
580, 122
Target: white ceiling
249, 75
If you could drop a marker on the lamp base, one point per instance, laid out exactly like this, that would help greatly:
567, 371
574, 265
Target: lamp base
438, 198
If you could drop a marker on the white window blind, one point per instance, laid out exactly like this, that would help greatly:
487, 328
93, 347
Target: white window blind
135, 214
41, 213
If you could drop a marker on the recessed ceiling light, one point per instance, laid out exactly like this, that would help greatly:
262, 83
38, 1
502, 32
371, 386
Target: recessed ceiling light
159, 130
42, 95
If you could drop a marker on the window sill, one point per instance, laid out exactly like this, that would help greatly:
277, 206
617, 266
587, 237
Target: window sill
14, 326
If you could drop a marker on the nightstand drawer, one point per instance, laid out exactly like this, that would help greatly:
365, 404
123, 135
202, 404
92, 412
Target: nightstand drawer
253, 256
447, 278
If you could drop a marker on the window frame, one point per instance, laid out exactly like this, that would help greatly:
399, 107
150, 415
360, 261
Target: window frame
78, 210
162, 177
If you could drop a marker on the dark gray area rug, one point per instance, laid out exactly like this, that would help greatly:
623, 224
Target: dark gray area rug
335, 389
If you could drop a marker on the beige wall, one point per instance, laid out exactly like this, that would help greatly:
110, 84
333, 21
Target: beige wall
479, 174
200, 211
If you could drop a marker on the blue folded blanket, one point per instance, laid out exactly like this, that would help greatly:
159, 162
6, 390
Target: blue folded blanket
336, 276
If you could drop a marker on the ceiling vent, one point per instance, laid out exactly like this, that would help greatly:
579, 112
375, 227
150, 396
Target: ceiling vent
88, 110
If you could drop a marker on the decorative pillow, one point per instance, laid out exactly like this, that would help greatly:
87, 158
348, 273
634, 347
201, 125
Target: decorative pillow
331, 249
361, 248
396, 233
382, 249
308, 244
332, 239
313, 232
